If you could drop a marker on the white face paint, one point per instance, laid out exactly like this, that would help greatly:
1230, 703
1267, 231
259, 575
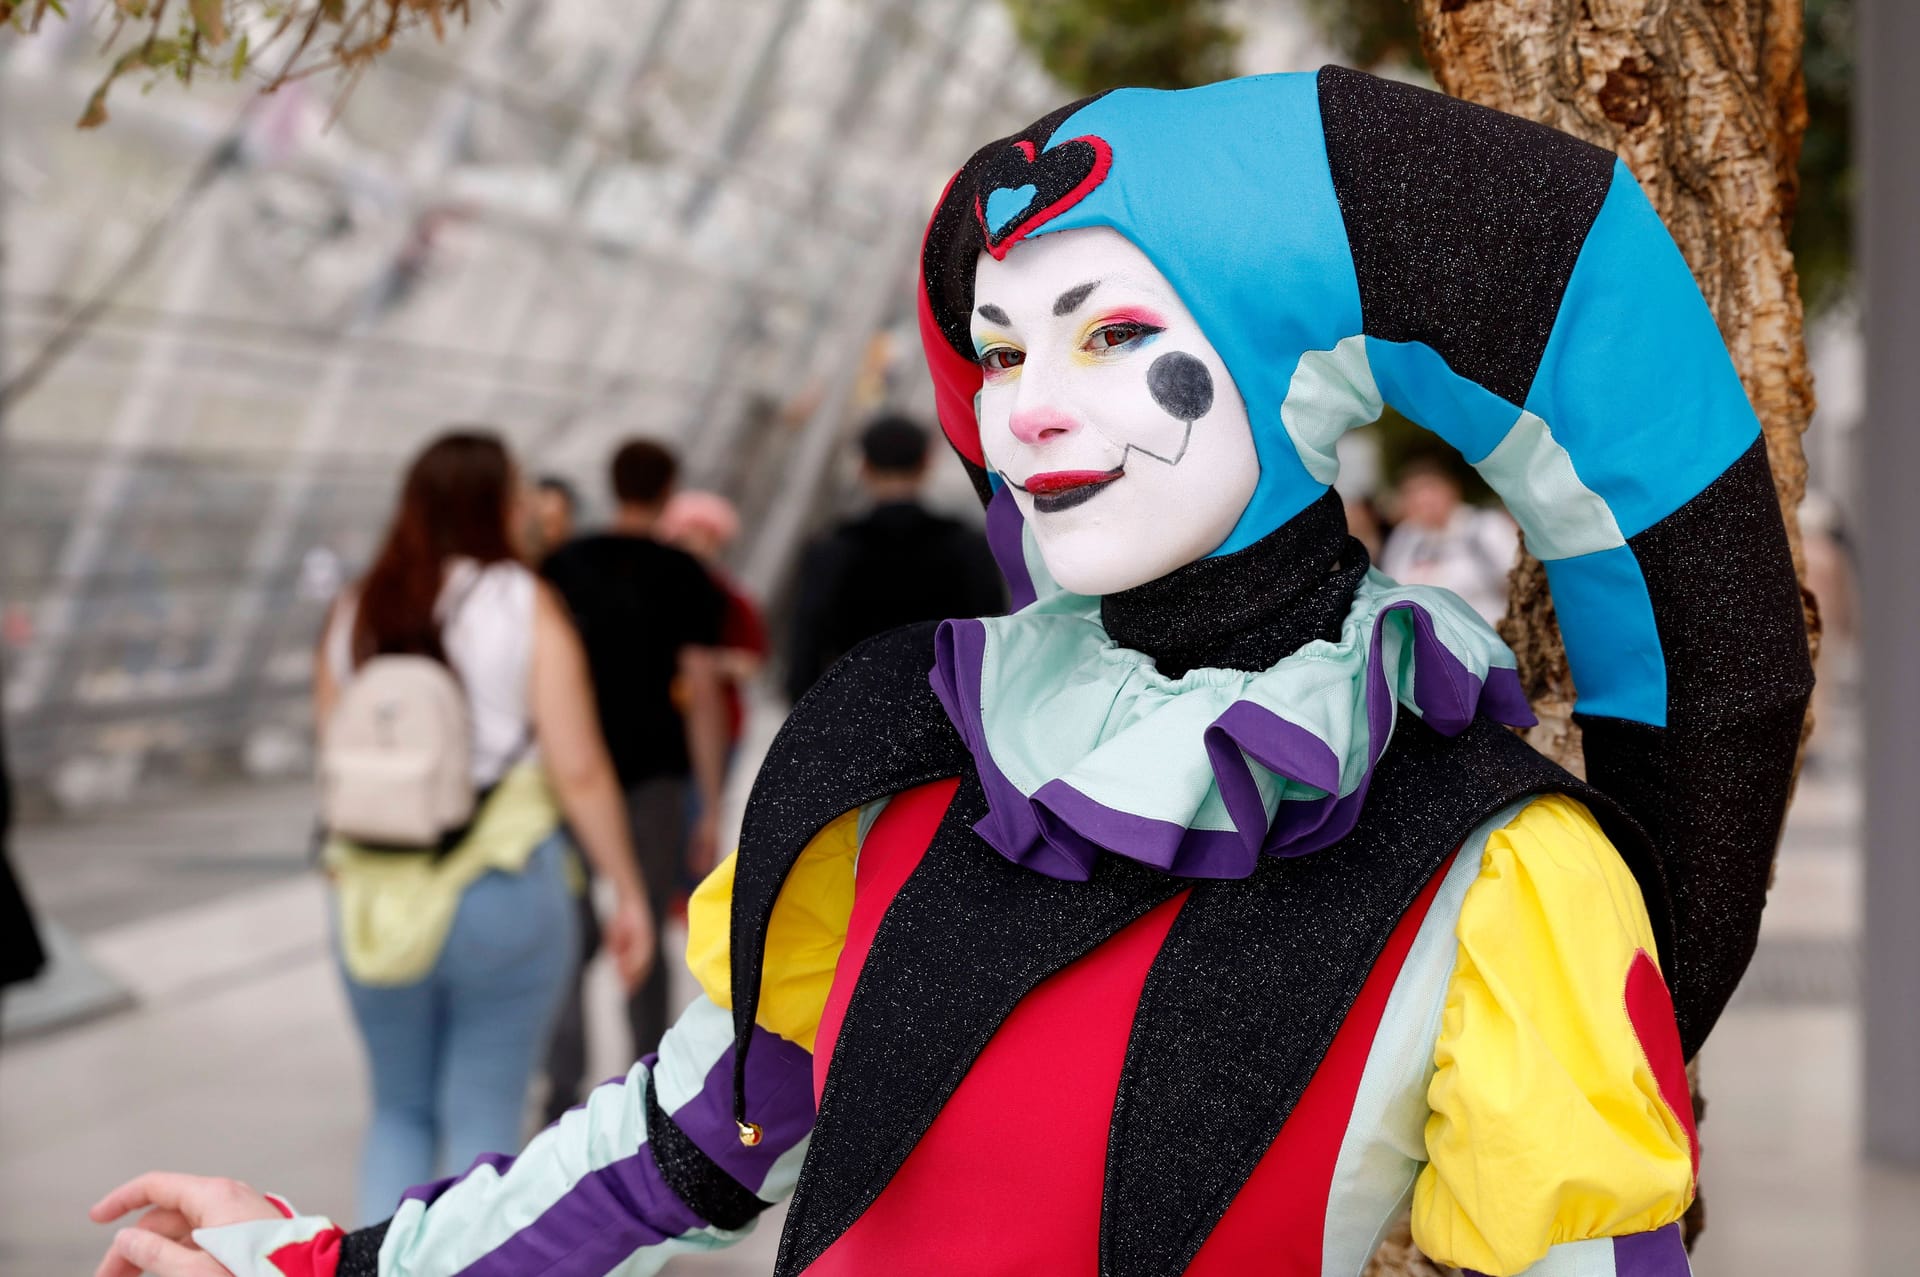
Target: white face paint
1104, 406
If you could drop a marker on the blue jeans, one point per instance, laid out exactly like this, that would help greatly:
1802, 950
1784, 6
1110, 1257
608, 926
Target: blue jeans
452, 1055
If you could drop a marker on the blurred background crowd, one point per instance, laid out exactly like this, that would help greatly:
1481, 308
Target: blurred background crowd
634, 278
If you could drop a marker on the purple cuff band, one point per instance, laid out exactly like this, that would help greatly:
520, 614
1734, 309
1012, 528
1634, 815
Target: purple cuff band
1661, 1253
779, 1098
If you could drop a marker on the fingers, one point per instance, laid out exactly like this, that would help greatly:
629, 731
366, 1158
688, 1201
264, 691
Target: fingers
180, 1203
161, 1221
167, 1222
156, 1255
199, 1197
155, 1188
634, 956
112, 1265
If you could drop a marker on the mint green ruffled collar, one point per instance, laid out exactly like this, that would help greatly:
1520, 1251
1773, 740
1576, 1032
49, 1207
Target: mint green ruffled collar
1084, 747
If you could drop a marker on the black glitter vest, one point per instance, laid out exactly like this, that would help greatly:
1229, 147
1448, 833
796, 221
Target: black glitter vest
970, 934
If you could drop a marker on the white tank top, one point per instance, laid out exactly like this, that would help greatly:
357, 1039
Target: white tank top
486, 618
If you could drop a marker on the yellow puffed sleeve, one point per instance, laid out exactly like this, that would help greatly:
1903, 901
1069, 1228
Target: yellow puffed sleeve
1548, 1123
804, 937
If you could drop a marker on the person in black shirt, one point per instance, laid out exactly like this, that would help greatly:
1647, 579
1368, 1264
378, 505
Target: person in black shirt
897, 564
650, 617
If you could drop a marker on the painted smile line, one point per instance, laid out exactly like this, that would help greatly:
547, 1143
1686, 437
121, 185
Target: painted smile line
1058, 490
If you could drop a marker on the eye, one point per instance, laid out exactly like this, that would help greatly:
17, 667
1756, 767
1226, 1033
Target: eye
1002, 358
1112, 336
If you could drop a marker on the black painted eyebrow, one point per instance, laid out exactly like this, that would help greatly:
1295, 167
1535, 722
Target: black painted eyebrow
1066, 303
993, 314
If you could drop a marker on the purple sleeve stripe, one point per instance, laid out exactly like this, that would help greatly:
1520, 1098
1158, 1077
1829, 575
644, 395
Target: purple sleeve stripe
619, 1208
602, 1220
499, 1163
779, 1098
1660, 1253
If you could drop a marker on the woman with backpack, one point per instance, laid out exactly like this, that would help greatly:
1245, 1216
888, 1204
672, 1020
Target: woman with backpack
459, 746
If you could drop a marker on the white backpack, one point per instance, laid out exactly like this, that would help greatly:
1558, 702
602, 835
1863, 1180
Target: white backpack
396, 761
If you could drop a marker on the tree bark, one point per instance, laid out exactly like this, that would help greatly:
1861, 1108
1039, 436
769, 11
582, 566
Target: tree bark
1705, 101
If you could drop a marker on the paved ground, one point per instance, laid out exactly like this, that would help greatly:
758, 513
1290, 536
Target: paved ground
236, 1055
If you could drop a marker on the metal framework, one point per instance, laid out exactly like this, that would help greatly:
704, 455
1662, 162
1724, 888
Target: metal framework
1889, 98
573, 222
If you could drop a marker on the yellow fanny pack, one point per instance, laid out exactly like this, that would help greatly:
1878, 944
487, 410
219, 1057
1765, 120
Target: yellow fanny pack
395, 909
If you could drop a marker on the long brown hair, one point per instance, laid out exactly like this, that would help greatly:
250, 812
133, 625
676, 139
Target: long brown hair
453, 502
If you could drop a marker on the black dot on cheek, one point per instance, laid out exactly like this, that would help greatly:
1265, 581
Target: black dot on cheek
1181, 384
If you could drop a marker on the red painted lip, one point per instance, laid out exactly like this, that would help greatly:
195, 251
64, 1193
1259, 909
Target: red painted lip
1054, 482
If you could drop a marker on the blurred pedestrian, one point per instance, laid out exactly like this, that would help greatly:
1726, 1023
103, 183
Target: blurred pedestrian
705, 524
651, 619
1364, 523
1441, 540
451, 672
1832, 580
21, 954
556, 513
896, 564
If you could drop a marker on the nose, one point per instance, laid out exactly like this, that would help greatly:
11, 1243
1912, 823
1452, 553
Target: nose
1041, 425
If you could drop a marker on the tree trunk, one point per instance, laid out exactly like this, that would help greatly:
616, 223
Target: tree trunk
1704, 100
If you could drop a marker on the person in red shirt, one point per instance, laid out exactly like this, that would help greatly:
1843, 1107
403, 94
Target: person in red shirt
705, 524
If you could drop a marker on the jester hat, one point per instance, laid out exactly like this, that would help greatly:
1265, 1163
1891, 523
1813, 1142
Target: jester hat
1349, 243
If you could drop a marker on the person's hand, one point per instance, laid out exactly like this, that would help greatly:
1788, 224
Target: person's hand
161, 1241
630, 939
702, 841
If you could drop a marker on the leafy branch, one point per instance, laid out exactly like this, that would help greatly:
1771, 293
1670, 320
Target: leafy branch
273, 42
1091, 45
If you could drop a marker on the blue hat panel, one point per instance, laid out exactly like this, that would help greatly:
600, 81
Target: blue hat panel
1227, 189
1635, 380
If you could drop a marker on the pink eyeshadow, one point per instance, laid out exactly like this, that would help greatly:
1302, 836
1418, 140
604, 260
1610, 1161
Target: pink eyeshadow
1130, 315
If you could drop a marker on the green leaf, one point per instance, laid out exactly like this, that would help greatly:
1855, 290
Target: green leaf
240, 50
96, 113
159, 54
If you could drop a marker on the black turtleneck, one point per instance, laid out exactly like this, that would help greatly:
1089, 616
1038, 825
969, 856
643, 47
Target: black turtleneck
1248, 609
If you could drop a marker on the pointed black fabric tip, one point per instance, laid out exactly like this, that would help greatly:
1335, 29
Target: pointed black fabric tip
871, 728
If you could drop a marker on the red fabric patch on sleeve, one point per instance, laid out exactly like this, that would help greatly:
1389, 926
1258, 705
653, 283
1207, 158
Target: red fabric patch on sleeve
319, 1256
1650, 1009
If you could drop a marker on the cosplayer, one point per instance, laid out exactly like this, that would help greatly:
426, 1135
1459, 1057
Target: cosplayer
1200, 915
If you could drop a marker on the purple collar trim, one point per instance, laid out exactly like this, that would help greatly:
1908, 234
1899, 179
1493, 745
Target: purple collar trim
1006, 538
1059, 831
